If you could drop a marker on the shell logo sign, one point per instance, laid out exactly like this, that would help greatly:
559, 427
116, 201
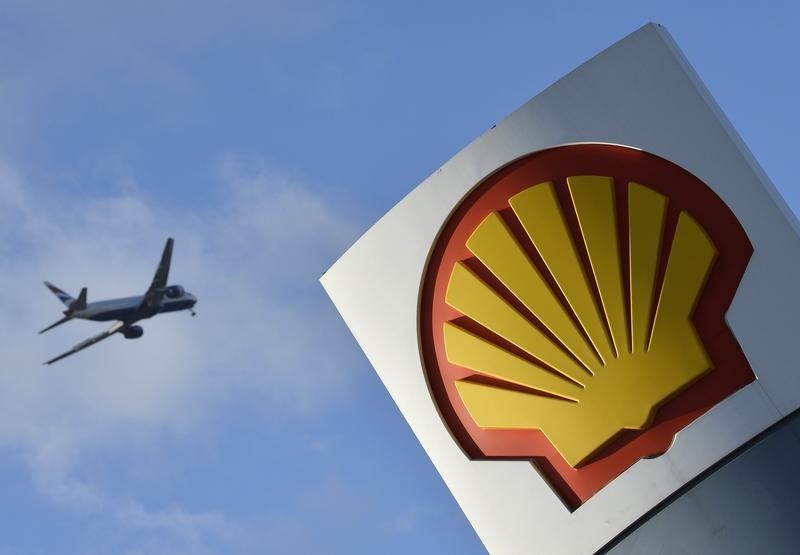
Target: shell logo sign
573, 312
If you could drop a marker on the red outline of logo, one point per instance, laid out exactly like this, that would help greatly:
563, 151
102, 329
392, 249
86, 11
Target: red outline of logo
685, 192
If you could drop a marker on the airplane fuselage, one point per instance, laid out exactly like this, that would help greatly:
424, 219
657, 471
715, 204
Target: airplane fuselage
133, 309
125, 311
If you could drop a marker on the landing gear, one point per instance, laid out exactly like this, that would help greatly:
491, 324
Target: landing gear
193, 312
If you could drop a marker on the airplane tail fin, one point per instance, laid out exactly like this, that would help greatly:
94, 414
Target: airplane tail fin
71, 303
62, 296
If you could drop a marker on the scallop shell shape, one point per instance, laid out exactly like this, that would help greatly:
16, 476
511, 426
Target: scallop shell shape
579, 322
597, 347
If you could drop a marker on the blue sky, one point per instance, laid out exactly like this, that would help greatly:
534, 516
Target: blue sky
265, 136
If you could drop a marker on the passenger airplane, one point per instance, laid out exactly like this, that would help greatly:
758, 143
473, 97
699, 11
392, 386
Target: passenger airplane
159, 298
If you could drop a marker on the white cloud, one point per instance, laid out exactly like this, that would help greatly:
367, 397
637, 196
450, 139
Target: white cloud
138, 530
264, 334
174, 530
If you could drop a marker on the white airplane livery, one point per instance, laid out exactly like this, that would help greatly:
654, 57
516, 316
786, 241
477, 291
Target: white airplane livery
126, 311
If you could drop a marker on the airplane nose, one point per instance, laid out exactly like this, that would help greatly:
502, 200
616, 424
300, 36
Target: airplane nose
191, 298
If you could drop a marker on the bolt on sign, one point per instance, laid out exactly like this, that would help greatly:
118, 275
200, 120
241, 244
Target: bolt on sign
587, 307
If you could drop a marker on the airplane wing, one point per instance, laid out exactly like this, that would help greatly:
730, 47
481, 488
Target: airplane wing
153, 295
89, 342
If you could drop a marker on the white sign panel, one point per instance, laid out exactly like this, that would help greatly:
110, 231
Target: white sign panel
633, 142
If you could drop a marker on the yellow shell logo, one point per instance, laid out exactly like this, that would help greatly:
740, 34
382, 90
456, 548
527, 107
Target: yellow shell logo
575, 294
602, 383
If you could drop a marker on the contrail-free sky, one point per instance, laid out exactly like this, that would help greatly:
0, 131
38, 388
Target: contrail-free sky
265, 137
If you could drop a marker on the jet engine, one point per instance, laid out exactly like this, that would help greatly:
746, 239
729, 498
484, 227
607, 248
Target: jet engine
133, 332
174, 291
